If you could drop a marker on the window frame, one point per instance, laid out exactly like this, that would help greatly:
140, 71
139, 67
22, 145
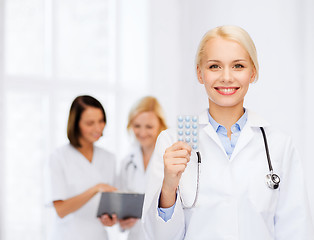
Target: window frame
47, 85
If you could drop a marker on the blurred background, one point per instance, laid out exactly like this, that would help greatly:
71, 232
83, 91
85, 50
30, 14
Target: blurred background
118, 51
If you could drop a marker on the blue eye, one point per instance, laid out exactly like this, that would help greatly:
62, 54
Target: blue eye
214, 66
238, 66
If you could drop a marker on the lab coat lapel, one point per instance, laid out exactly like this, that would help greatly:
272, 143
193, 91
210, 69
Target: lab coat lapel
245, 137
247, 133
209, 130
138, 158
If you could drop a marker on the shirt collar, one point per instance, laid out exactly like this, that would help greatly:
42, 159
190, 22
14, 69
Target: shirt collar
253, 119
239, 124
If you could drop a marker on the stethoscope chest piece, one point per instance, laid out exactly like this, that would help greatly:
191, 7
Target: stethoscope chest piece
272, 180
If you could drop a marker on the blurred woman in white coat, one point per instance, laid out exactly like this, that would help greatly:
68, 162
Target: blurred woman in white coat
146, 120
77, 172
247, 181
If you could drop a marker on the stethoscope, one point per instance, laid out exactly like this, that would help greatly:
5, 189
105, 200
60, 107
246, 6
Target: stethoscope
272, 179
130, 170
131, 163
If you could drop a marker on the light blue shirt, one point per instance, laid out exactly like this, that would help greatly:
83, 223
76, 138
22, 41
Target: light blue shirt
228, 144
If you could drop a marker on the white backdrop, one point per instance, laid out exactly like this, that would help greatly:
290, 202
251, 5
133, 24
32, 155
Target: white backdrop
283, 32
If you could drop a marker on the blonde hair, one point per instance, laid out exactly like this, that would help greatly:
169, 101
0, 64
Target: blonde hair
147, 104
233, 33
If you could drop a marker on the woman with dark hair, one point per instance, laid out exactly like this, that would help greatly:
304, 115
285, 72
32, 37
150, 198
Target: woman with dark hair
77, 172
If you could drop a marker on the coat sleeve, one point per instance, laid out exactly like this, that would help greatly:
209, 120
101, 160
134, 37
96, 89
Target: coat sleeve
155, 227
293, 220
55, 180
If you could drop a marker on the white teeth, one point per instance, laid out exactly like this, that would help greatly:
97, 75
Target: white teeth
227, 90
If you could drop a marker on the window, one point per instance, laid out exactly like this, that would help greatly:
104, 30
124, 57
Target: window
53, 50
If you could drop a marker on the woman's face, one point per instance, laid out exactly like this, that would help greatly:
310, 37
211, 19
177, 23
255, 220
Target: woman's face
91, 125
146, 127
226, 72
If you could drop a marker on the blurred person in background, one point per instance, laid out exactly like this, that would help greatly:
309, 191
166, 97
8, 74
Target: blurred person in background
77, 172
146, 120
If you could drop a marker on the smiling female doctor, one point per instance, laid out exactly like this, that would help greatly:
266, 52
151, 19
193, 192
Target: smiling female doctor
232, 199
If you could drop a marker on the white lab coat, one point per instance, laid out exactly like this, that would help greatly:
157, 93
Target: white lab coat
234, 201
132, 173
69, 174
132, 179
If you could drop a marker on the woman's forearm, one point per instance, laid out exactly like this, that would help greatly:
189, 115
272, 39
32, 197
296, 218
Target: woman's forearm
65, 207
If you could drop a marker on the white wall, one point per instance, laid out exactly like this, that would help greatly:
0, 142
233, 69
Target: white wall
283, 34
132, 63
307, 87
165, 54
2, 154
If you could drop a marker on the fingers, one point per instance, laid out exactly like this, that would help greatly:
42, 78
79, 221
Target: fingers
114, 218
178, 153
128, 220
111, 188
176, 158
180, 146
127, 223
102, 187
109, 220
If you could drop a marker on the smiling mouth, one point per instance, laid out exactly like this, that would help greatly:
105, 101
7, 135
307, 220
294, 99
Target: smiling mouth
226, 90
96, 135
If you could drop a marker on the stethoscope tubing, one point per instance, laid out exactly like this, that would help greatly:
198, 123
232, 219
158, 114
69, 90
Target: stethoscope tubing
199, 160
272, 180
267, 150
131, 162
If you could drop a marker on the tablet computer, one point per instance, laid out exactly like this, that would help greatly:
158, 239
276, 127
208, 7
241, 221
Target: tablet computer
124, 205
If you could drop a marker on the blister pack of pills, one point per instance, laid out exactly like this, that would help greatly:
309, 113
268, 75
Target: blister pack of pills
187, 130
